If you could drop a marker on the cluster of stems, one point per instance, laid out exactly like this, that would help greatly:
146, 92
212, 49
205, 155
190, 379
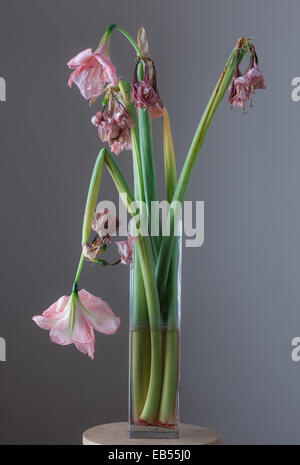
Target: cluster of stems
154, 322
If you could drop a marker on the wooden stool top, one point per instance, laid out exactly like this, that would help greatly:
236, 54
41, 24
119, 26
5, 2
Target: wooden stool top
117, 434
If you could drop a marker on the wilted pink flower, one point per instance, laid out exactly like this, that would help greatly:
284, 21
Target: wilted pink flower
114, 127
145, 93
255, 77
125, 249
105, 224
243, 86
91, 251
93, 70
72, 320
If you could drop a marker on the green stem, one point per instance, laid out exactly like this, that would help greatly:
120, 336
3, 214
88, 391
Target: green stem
168, 256
134, 133
147, 162
146, 261
169, 394
78, 273
140, 342
151, 407
168, 406
130, 38
169, 158
111, 28
140, 366
167, 243
107, 34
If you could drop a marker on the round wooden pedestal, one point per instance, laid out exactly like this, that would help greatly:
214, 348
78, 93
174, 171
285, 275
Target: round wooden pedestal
117, 434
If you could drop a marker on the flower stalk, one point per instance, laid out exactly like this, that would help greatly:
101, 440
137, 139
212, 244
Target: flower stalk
147, 162
167, 411
167, 244
140, 340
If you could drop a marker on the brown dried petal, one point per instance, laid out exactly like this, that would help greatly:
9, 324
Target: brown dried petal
142, 41
91, 251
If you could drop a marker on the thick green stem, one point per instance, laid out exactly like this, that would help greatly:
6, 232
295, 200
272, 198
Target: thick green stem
169, 158
168, 404
149, 173
148, 166
144, 161
140, 364
140, 342
151, 407
167, 243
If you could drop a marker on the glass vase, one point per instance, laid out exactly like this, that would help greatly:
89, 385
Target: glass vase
154, 356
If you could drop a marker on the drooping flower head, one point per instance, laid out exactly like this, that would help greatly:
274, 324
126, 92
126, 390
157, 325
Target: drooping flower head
243, 86
105, 224
144, 93
114, 126
125, 249
93, 70
73, 319
91, 251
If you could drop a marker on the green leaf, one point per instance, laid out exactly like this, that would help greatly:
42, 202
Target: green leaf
92, 197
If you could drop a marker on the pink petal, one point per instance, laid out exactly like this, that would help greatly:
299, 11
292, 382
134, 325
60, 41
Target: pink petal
88, 349
125, 249
80, 59
105, 223
109, 68
116, 148
256, 77
89, 83
99, 314
81, 333
50, 316
75, 73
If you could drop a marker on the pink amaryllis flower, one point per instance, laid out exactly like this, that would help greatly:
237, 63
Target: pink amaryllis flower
145, 93
125, 249
72, 320
92, 70
114, 127
243, 86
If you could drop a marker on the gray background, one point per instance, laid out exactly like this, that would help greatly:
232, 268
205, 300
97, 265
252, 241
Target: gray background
240, 290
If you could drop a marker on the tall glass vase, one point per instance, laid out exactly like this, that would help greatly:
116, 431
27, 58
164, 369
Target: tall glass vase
154, 356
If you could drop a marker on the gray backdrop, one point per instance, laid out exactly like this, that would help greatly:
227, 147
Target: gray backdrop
240, 290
